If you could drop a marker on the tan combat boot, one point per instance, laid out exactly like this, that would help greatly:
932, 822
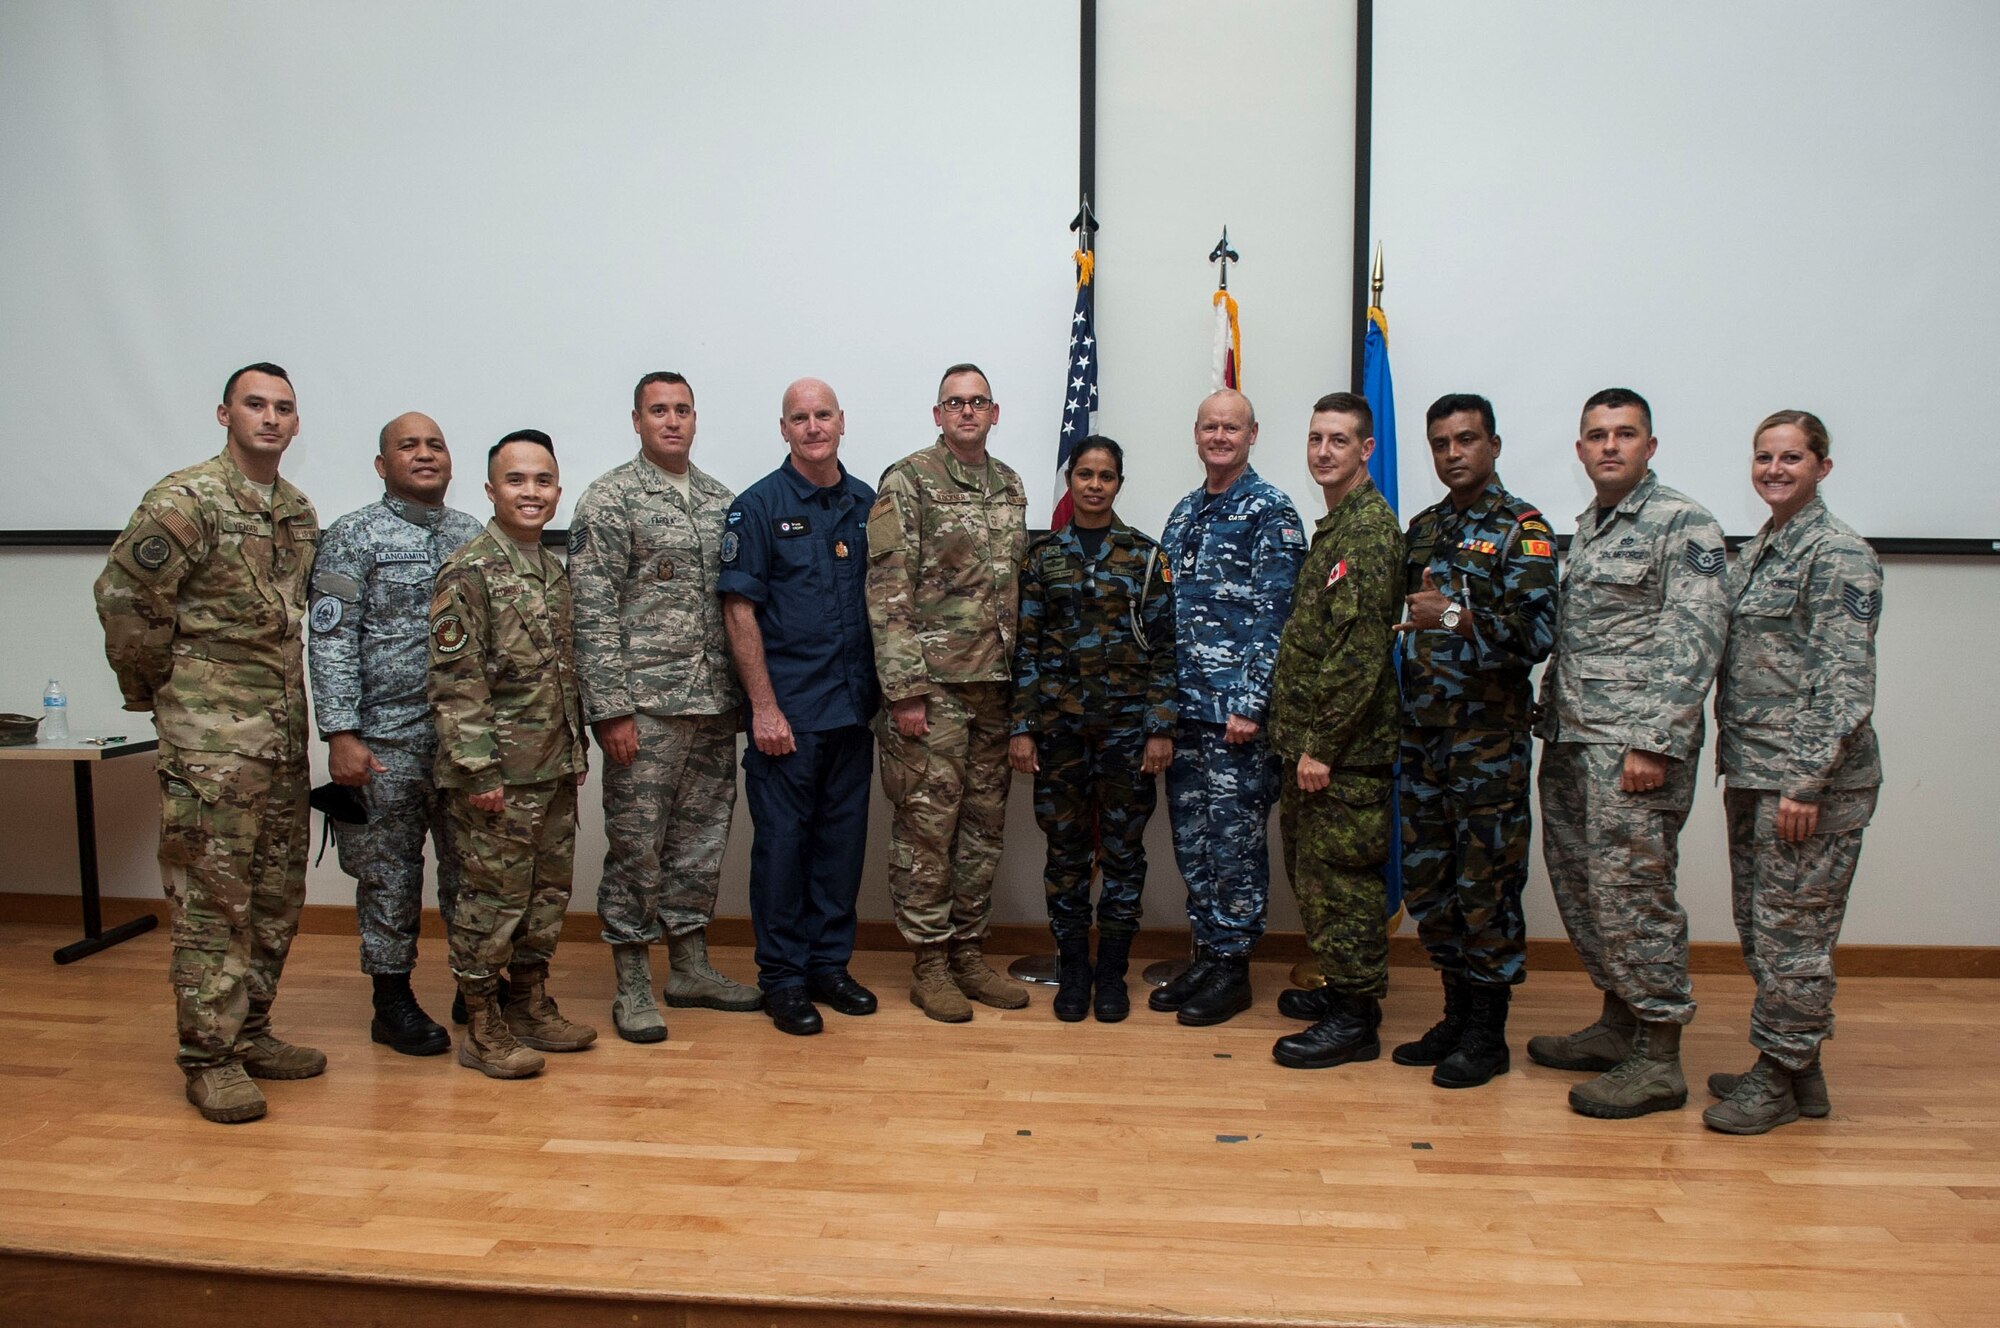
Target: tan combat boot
933, 991
1760, 1102
1808, 1089
1597, 1047
224, 1094
694, 981
266, 1056
532, 1016
1648, 1080
489, 1046
633, 1013
982, 984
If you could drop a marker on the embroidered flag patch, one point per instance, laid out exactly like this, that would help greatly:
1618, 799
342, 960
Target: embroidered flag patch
1339, 571
1538, 548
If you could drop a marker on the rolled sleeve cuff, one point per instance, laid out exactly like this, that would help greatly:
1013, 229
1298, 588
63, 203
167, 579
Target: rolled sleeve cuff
744, 584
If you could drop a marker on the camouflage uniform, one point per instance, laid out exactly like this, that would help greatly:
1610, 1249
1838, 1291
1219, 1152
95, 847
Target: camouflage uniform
370, 660
945, 542
509, 716
1639, 635
650, 644
202, 600
1235, 557
1467, 714
1334, 699
1792, 713
1093, 679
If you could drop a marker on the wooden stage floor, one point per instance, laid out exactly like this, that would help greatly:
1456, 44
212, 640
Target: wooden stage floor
897, 1171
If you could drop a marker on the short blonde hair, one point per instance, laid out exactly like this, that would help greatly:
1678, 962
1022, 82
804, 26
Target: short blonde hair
1808, 424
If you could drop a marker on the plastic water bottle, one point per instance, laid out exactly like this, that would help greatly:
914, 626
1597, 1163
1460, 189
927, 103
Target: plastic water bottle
55, 713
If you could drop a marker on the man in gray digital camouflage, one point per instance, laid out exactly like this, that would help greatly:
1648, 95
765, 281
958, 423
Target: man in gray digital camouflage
660, 693
945, 541
370, 656
511, 753
1639, 633
202, 600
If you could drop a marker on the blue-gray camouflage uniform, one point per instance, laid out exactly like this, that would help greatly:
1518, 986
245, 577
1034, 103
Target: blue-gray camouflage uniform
1467, 720
1793, 715
370, 655
1639, 635
1235, 555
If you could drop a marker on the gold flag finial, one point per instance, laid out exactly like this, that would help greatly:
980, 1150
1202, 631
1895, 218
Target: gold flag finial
1375, 278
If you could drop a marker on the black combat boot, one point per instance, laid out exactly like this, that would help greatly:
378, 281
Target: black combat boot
400, 1024
1225, 995
1442, 1039
1311, 1004
1482, 1048
1072, 1001
1346, 1034
1191, 980
1114, 953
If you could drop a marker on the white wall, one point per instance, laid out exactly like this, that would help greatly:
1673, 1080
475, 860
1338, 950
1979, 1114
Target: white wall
1926, 874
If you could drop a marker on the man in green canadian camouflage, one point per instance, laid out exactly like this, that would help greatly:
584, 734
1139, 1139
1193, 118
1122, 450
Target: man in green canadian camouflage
201, 601
1795, 741
945, 540
1639, 635
660, 693
510, 756
1480, 577
1334, 726
1095, 696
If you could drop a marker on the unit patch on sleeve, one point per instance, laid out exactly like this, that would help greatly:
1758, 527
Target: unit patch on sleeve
732, 544
152, 552
448, 634
325, 613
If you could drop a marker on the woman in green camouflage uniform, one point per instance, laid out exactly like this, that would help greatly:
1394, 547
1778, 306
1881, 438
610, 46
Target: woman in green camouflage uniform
1093, 720
1797, 748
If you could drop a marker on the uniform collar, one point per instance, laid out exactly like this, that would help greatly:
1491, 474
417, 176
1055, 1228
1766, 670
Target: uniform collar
417, 514
1117, 533
1788, 537
1587, 523
1489, 498
804, 487
524, 566
284, 500
1236, 486
1362, 488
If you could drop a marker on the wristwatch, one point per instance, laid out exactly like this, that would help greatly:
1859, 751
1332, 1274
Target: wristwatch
1449, 618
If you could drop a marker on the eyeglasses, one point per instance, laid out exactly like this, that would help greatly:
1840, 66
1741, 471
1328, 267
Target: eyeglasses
977, 405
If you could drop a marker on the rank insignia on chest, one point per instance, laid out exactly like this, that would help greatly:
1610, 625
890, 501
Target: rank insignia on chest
448, 634
840, 548
1479, 545
1339, 573
1187, 561
666, 571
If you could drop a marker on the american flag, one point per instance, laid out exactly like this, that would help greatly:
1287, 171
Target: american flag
1080, 389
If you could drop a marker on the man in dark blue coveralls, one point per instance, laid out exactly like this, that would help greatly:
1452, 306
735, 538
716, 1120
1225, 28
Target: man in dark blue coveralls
794, 560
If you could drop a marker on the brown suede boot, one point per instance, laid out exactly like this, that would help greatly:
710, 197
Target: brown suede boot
488, 1045
1758, 1102
1597, 1046
266, 1056
979, 982
1646, 1081
533, 1018
933, 991
224, 1094
1808, 1089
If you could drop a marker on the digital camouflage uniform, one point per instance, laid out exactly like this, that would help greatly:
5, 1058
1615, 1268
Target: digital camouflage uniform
945, 542
1638, 639
1467, 719
1792, 713
1093, 679
1334, 699
370, 652
1235, 557
202, 600
509, 716
643, 562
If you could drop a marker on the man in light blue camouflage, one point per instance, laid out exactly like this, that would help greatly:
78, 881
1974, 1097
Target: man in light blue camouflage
1640, 633
660, 694
1235, 545
370, 653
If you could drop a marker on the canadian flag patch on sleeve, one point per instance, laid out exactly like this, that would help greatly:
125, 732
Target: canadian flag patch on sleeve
1339, 571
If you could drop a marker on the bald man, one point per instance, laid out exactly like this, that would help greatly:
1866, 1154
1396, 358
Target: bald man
371, 590
794, 572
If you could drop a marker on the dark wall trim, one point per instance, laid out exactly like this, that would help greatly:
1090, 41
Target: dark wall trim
1086, 105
